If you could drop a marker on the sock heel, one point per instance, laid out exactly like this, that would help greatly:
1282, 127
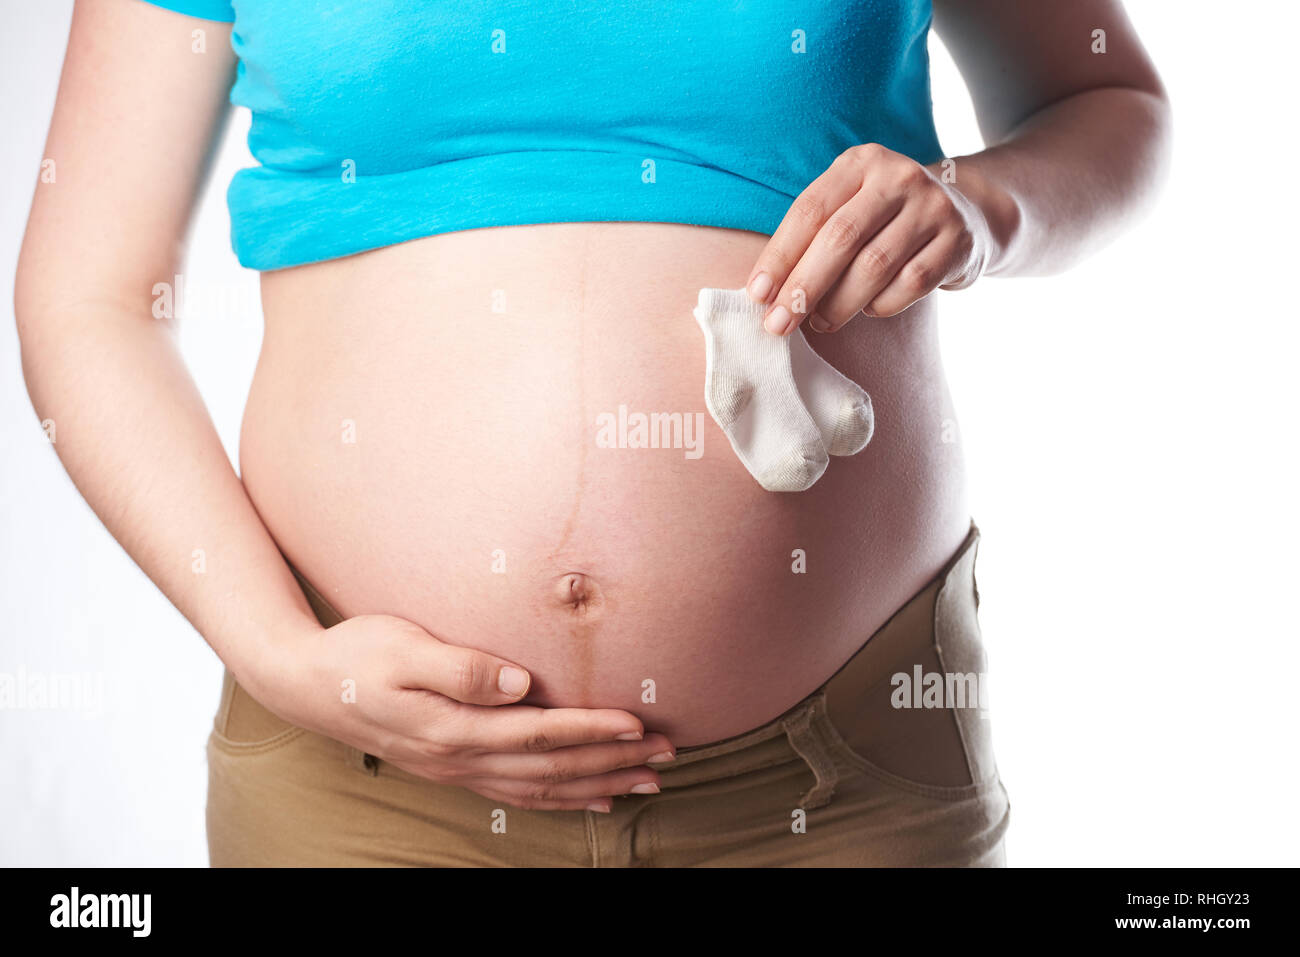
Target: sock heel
728, 397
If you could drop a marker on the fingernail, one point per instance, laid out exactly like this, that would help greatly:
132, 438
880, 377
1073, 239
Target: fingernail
601, 808
648, 788
628, 736
778, 321
661, 756
512, 681
818, 323
760, 287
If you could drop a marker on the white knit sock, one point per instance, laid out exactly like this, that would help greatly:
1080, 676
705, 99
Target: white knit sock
750, 390
751, 371
839, 406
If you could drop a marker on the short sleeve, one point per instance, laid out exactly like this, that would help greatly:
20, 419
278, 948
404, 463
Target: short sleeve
219, 10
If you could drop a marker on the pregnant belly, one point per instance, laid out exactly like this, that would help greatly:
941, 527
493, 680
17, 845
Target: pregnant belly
447, 431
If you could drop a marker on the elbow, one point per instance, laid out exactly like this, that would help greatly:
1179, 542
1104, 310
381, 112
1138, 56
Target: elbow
1163, 134
40, 306
25, 311
1152, 126
1153, 129
33, 291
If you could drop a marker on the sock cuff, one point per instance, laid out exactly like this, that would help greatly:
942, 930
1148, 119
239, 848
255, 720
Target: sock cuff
734, 302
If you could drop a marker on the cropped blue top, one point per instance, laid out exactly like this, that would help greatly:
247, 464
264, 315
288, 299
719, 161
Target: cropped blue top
379, 121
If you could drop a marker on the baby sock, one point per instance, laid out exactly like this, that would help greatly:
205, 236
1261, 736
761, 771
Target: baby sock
782, 406
839, 406
750, 391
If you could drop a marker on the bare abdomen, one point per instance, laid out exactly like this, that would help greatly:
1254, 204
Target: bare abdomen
423, 440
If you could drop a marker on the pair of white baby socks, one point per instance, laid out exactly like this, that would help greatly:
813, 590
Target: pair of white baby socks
784, 409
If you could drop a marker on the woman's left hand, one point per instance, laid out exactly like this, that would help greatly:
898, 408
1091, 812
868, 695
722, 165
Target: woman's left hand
873, 234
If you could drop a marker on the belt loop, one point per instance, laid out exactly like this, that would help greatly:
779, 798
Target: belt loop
803, 738
356, 758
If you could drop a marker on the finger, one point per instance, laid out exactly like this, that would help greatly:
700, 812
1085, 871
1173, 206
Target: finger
524, 728
807, 214
519, 795
919, 277
639, 780
464, 674
841, 239
579, 761
871, 272
601, 804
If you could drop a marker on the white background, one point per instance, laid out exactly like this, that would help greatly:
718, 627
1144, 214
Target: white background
1131, 430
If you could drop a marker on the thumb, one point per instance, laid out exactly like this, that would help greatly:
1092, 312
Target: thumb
469, 676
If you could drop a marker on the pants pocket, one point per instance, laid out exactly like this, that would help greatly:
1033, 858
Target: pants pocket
960, 647
243, 726
919, 722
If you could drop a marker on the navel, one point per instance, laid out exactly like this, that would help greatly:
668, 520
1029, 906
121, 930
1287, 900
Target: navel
578, 594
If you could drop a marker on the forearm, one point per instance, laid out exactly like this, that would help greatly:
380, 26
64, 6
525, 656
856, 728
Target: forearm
1066, 179
136, 439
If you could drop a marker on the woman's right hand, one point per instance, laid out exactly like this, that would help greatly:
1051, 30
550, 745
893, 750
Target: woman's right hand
452, 715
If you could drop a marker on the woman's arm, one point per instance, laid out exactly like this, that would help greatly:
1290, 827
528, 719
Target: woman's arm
135, 120
1077, 143
1077, 139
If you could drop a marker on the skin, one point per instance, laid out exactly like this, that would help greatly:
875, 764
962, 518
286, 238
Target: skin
474, 433
1076, 142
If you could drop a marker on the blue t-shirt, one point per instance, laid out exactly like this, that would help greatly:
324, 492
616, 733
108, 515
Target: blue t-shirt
379, 121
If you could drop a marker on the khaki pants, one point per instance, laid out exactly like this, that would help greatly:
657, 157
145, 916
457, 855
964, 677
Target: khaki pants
848, 777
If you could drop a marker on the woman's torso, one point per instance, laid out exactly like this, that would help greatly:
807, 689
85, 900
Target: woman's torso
423, 438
